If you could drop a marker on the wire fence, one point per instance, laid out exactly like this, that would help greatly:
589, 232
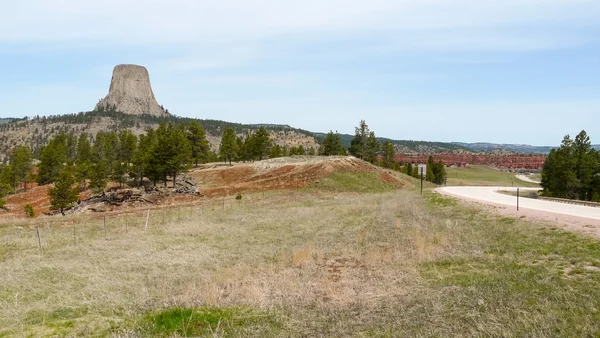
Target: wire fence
44, 236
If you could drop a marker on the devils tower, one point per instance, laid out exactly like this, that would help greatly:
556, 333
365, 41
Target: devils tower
131, 93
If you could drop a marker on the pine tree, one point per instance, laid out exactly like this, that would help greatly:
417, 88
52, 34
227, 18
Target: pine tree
141, 159
429, 176
83, 160
275, 151
63, 195
52, 159
332, 145
172, 153
228, 149
372, 149
261, 144
21, 162
241, 150
439, 172
5, 189
389, 155
197, 138
358, 145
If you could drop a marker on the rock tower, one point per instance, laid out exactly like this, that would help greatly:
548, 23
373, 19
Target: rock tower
131, 93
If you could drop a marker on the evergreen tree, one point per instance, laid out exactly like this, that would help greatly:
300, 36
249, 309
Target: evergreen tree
408, 169
53, 157
241, 150
261, 144
439, 172
83, 161
429, 176
63, 195
389, 155
141, 159
275, 151
229, 146
358, 145
21, 163
5, 189
312, 151
332, 145
125, 152
586, 165
197, 138
372, 149
559, 174
172, 153
301, 150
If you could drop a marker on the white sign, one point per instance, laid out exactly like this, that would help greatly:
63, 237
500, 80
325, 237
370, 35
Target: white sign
422, 169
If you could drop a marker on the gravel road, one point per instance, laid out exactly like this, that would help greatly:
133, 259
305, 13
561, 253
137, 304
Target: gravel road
527, 179
489, 195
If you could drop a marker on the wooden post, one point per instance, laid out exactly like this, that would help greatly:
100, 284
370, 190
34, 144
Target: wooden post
104, 226
179, 214
147, 218
126, 230
74, 235
517, 199
37, 228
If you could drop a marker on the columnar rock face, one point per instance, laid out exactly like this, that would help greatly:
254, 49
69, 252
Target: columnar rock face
131, 93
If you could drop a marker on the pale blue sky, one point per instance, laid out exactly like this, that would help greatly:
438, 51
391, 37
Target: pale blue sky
511, 71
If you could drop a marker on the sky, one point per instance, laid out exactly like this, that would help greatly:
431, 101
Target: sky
511, 71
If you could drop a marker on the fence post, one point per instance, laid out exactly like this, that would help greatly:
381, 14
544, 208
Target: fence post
104, 226
37, 228
147, 218
179, 214
517, 198
74, 235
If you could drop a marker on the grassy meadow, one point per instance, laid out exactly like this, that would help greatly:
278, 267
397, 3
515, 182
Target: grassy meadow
484, 176
337, 259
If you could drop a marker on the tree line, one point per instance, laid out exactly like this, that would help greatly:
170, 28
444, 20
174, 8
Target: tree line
77, 163
366, 146
572, 171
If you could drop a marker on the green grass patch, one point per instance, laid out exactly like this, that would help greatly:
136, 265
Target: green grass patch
205, 321
443, 201
350, 181
484, 176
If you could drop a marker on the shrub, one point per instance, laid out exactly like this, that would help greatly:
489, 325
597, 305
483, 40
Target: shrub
29, 211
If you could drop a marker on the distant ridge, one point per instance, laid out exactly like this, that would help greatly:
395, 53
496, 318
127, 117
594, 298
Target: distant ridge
440, 147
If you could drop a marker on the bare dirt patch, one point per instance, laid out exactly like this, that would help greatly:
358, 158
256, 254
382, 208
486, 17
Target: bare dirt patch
278, 174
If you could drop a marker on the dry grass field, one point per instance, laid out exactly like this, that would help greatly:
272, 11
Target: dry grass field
349, 256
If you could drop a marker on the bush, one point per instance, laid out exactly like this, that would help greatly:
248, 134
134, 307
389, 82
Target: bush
29, 211
238, 197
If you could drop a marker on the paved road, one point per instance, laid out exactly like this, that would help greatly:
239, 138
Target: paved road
527, 179
489, 195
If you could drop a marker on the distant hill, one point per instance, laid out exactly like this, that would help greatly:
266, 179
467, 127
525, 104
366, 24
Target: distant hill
447, 147
37, 131
517, 148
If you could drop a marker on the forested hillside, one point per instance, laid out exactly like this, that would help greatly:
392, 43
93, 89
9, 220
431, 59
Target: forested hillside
37, 131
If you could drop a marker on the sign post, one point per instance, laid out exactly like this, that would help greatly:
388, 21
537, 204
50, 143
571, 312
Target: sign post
422, 173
